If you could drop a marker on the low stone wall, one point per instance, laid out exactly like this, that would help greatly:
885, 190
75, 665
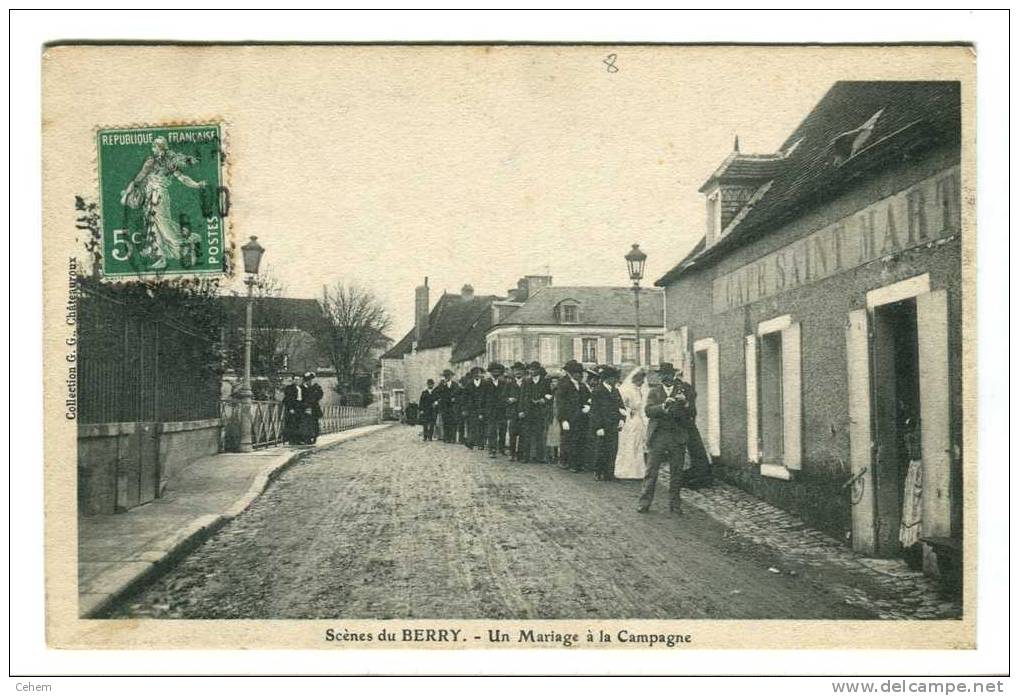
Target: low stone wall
107, 450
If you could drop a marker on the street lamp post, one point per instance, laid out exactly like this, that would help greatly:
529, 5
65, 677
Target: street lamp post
252, 252
635, 259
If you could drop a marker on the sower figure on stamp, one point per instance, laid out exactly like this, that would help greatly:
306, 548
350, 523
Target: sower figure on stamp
607, 414
573, 404
671, 408
495, 410
311, 395
536, 399
426, 414
515, 411
292, 411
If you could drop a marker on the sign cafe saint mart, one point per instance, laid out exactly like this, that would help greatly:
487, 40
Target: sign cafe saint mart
919, 215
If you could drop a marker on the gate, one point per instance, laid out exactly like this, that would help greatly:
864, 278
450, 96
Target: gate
136, 372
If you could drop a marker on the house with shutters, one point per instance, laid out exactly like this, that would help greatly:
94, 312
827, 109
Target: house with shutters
820, 319
440, 339
594, 325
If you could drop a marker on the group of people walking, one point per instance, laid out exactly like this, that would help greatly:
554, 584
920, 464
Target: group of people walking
301, 410
584, 420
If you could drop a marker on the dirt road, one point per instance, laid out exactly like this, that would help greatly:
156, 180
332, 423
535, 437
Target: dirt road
387, 526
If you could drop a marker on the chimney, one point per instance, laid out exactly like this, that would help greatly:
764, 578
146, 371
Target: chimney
421, 310
529, 284
467, 292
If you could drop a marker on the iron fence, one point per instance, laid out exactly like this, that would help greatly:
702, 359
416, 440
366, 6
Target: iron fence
133, 368
267, 421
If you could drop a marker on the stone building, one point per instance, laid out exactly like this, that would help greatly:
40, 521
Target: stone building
821, 315
428, 348
594, 325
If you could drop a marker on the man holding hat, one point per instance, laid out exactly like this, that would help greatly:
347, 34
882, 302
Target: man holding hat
311, 395
573, 404
445, 396
536, 399
607, 414
495, 410
671, 411
515, 410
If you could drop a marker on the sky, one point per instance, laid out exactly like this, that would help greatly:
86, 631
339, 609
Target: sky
380, 166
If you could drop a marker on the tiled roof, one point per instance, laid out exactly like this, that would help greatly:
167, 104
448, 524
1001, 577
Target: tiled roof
448, 322
282, 312
599, 306
472, 343
746, 166
914, 116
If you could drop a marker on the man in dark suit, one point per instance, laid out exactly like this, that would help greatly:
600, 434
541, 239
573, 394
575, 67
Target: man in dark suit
473, 408
462, 431
607, 414
426, 413
445, 396
671, 409
573, 404
494, 398
536, 399
515, 410
311, 395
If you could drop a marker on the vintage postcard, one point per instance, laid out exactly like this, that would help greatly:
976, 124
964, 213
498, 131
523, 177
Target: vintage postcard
662, 347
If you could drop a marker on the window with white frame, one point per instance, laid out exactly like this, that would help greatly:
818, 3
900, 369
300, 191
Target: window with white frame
627, 350
774, 397
548, 350
706, 385
589, 350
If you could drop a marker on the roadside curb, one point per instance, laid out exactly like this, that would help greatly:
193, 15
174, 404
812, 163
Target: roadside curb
153, 562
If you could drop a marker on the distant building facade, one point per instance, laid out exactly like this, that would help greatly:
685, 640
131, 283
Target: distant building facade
820, 316
594, 325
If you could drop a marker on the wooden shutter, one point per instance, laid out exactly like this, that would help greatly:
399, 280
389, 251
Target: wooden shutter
714, 401
617, 350
656, 354
750, 363
860, 444
935, 441
792, 398
578, 349
600, 357
685, 359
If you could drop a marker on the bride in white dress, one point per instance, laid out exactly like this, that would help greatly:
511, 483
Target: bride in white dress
630, 458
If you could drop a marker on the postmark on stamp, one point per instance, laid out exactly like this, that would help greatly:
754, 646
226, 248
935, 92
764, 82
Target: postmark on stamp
162, 200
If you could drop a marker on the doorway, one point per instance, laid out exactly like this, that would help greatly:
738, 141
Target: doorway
771, 410
896, 398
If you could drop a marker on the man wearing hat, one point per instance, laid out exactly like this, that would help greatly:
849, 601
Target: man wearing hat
311, 395
495, 410
670, 410
515, 410
426, 414
573, 404
607, 414
536, 399
445, 396
474, 408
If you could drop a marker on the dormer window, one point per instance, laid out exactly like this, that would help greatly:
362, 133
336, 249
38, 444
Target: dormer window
567, 312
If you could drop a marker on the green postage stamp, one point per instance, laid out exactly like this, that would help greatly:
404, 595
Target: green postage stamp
162, 200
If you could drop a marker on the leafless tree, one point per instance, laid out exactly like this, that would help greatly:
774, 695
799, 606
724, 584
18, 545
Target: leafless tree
355, 323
